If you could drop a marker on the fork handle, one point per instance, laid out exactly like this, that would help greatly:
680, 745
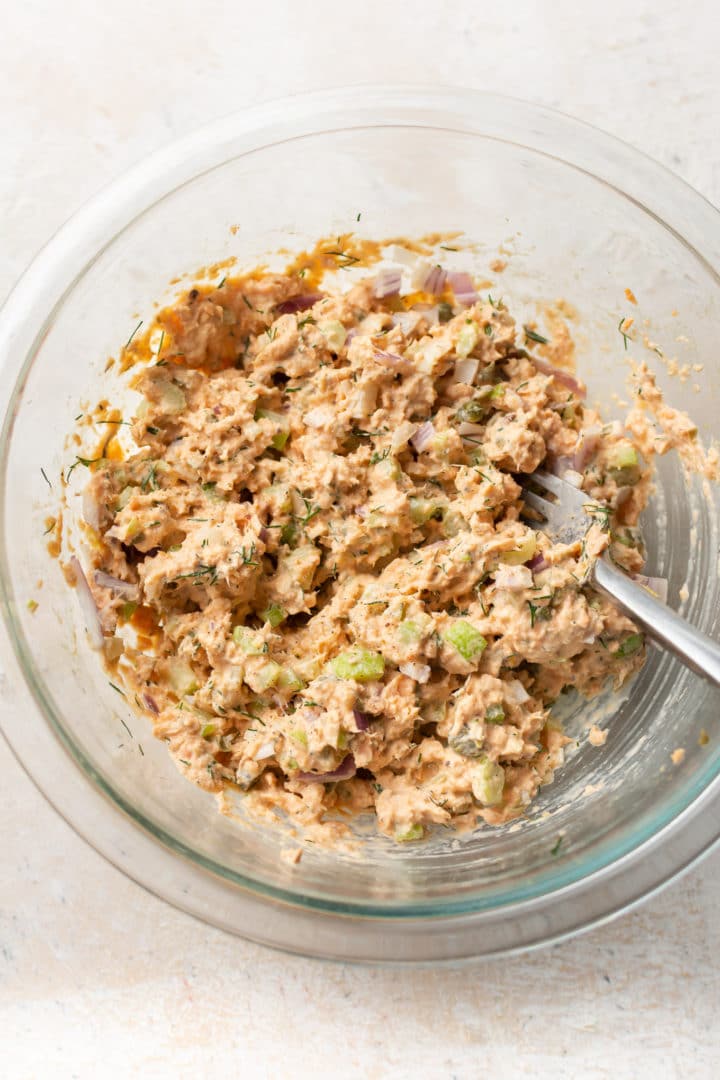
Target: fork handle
696, 650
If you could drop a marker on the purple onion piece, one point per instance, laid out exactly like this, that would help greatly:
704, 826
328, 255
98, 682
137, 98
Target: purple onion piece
585, 451
362, 720
150, 703
423, 436
389, 357
462, 285
657, 585
563, 377
298, 303
126, 589
93, 623
537, 562
344, 771
388, 282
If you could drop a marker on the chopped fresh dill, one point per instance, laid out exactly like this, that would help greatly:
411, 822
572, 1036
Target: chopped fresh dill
127, 343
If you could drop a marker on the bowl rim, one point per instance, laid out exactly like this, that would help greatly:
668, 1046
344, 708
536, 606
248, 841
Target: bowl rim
28, 312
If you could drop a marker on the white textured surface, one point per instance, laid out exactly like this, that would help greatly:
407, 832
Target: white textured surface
99, 979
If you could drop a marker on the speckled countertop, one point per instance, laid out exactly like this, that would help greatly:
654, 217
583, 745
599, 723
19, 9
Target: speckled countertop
99, 979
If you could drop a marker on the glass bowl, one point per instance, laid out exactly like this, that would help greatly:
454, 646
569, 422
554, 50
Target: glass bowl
583, 217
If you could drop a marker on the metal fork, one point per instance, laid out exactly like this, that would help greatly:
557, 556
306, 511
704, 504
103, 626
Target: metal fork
565, 519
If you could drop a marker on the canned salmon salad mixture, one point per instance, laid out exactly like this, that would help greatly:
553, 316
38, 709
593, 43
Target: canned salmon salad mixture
311, 571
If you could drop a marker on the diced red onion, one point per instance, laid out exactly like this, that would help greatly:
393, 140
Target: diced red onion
466, 370
266, 751
344, 771
126, 589
263, 535
93, 623
402, 435
656, 585
90, 509
537, 562
423, 436
384, 357
515, 692
419, 672
429, 312
387, 282
468, 428
361, 511
463, 286
319, 417
585, 449
573, 477
427, 277
299, 303
560, 376
362, 720
514, 578
150, 703
407, 320
399, 254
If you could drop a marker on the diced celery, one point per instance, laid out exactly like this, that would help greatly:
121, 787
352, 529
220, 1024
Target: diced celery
421, 510
494, 714
410, 631
454, 523
288, 533
172, 398
497, 392
466, 639
488, 781
211, 493
128, 610
300, 737
415, 832
133, 529
281, 436
181, 678
124, 498
623, 464
342, 739
622, 455
289, 680
522, 553
265, 677
301, 564
467, 340
334, 333
208, 731
360, 664
630, 645
248, 641
273, 614
390, 467
279, 495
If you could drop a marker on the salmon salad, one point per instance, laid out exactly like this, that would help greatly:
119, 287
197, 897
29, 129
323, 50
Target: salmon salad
312, 570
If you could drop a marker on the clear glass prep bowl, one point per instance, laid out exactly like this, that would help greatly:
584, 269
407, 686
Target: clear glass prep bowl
584, 217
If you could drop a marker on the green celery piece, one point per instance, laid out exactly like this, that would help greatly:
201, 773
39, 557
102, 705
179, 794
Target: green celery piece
630, 645
466, 639
362, 665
